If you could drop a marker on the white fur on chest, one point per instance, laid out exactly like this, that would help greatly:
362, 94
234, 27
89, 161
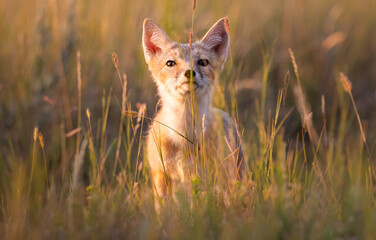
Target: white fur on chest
179, 121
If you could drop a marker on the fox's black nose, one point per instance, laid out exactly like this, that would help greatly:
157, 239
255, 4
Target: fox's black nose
188, 74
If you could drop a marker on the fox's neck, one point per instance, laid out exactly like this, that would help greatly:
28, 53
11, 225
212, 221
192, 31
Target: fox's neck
179, 115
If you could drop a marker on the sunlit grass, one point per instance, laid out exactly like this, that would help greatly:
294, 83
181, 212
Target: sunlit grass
308, 134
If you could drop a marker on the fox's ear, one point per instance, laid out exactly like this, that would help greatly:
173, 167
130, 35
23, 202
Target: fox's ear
218, 38
154, 39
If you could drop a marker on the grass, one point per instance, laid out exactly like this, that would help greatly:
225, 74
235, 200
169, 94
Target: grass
72, 164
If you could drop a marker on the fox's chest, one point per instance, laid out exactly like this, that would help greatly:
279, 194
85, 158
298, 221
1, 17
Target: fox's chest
183, 143
184, 157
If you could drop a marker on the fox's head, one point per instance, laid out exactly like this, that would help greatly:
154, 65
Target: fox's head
170, 62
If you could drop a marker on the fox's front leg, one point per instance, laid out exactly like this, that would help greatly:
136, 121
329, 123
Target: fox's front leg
160, 180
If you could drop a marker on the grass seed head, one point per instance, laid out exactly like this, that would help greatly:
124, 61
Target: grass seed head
35, 133
124, 94
41, 141
88, 113
141, 111
345, 82
114, 58
293, 60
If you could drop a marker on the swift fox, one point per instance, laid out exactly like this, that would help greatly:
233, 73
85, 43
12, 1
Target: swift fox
176, 128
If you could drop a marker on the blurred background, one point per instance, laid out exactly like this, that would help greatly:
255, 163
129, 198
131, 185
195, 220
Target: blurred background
39, 40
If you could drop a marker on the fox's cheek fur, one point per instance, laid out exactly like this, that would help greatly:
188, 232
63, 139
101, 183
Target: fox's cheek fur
207, 73
155, 68
164, 75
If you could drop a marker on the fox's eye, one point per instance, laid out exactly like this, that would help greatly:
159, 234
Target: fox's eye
203, 62
170, 63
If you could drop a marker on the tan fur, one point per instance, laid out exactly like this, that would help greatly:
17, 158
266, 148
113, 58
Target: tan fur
170, 156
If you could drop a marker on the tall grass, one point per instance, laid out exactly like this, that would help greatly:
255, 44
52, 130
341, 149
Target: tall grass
308, 136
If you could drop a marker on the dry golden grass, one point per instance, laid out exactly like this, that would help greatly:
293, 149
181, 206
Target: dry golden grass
309, 152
